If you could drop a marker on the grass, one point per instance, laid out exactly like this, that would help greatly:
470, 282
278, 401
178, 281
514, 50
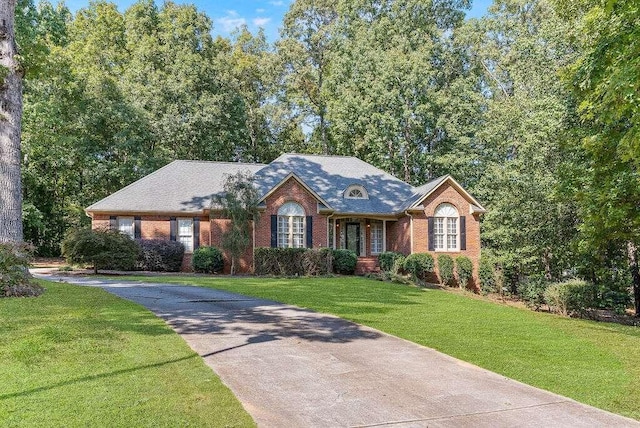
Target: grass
594, 363
78, 356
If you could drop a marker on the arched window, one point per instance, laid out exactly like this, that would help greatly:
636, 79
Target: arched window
355, 191
445, 233
291, 226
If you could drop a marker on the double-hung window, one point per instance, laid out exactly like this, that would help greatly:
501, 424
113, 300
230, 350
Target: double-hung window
445, 232
291, 226
126, 226
185, 233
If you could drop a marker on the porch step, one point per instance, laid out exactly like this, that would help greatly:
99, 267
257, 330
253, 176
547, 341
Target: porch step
367, 265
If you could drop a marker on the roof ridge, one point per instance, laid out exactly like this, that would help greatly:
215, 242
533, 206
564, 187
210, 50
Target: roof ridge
220, 162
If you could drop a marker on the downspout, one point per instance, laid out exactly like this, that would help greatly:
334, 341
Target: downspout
410, 230
253, 244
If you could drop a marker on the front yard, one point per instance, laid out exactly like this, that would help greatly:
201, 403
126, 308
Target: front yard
78, 356
595, 363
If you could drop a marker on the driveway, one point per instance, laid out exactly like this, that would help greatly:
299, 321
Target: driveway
297, 368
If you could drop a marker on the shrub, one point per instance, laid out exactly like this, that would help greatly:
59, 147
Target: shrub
390, 261
445, 268
15, 280
159, 255
207, 260
572, 296
464, 270
418, 264
105, 249
279, 261
486, 274
344, 261
317, 262
532, 290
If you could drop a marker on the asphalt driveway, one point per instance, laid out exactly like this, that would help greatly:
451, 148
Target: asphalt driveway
297, 368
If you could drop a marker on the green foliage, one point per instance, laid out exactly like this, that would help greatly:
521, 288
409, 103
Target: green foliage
445, 268
486, 274
418, 264
390, 261
344, 261
239, 204
293, 261
15, 280
317, 262
207, 260
464, 270
159, 255
532, 291
104, 249
571, 297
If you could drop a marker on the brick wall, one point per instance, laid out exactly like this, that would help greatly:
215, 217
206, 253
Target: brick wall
291, 191
218, 227
399, 236
448, 194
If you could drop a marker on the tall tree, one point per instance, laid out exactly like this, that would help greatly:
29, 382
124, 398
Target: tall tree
11, 73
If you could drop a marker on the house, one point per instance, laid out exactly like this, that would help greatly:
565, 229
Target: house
305, 201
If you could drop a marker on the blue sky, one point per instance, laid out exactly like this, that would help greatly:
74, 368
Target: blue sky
229, 14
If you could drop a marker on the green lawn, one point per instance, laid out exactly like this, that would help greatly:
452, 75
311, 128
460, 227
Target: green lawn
78, 356
595, 363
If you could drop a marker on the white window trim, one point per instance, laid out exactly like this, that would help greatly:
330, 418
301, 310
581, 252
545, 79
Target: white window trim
447, 216
179, 236
363, 191
132, 235
380, 226
290, 221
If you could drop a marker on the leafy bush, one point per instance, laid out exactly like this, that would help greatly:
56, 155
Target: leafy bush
445, 268
532, 290
159, 255
105, 249
486, 274
344, 261
418, 264
317, 262
572, 296
279, 261
207, 260
15, 280
464, 270
390, 261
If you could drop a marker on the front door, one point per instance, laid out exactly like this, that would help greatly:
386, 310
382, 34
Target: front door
353, 237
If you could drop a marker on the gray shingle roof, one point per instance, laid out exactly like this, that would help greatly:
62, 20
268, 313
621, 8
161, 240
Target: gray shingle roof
181, 186
188, 186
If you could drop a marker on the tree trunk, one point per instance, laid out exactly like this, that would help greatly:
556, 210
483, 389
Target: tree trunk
10, 122
632, 255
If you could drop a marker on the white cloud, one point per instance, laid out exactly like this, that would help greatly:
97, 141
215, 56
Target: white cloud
277, 3
261, 22
260, 11
231, 21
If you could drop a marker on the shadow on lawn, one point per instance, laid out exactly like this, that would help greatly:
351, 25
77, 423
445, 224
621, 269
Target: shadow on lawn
92, 377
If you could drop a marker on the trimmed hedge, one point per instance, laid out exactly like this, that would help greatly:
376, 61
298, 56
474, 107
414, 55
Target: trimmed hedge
390, 261
344, 261
159, 255
445, 268
486, 273
207, 260
464, 270
418, 264
105, 249
317, 262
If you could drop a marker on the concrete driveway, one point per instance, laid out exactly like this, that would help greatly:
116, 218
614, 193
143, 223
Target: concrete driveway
296, 368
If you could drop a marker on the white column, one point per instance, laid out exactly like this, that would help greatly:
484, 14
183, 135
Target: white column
384, 235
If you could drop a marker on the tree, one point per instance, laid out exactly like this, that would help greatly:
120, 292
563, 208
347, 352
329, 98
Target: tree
11, 73
606, 82
239, 203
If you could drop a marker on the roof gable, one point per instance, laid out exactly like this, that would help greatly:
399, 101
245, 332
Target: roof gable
427, 189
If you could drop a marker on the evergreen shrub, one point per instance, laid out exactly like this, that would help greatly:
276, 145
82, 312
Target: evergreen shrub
418, 264
486, 274
464, 270
207, 260
445, 268
390, 261
344, 261
159, 255
104, 249
15, 280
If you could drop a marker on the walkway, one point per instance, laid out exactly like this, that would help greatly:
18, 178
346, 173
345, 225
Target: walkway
296, 368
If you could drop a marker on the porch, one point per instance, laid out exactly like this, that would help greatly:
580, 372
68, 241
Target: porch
366, 236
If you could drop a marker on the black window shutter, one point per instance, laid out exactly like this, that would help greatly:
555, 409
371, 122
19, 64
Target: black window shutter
196, 233
463, 233
309, 231
430, 238
173, 228
274, 231
137, 227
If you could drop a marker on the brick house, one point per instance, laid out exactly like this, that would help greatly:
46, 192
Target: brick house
306, 201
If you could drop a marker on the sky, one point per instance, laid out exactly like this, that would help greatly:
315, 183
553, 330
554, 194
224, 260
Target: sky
229, 14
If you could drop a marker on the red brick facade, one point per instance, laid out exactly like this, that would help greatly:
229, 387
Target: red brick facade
406, 234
